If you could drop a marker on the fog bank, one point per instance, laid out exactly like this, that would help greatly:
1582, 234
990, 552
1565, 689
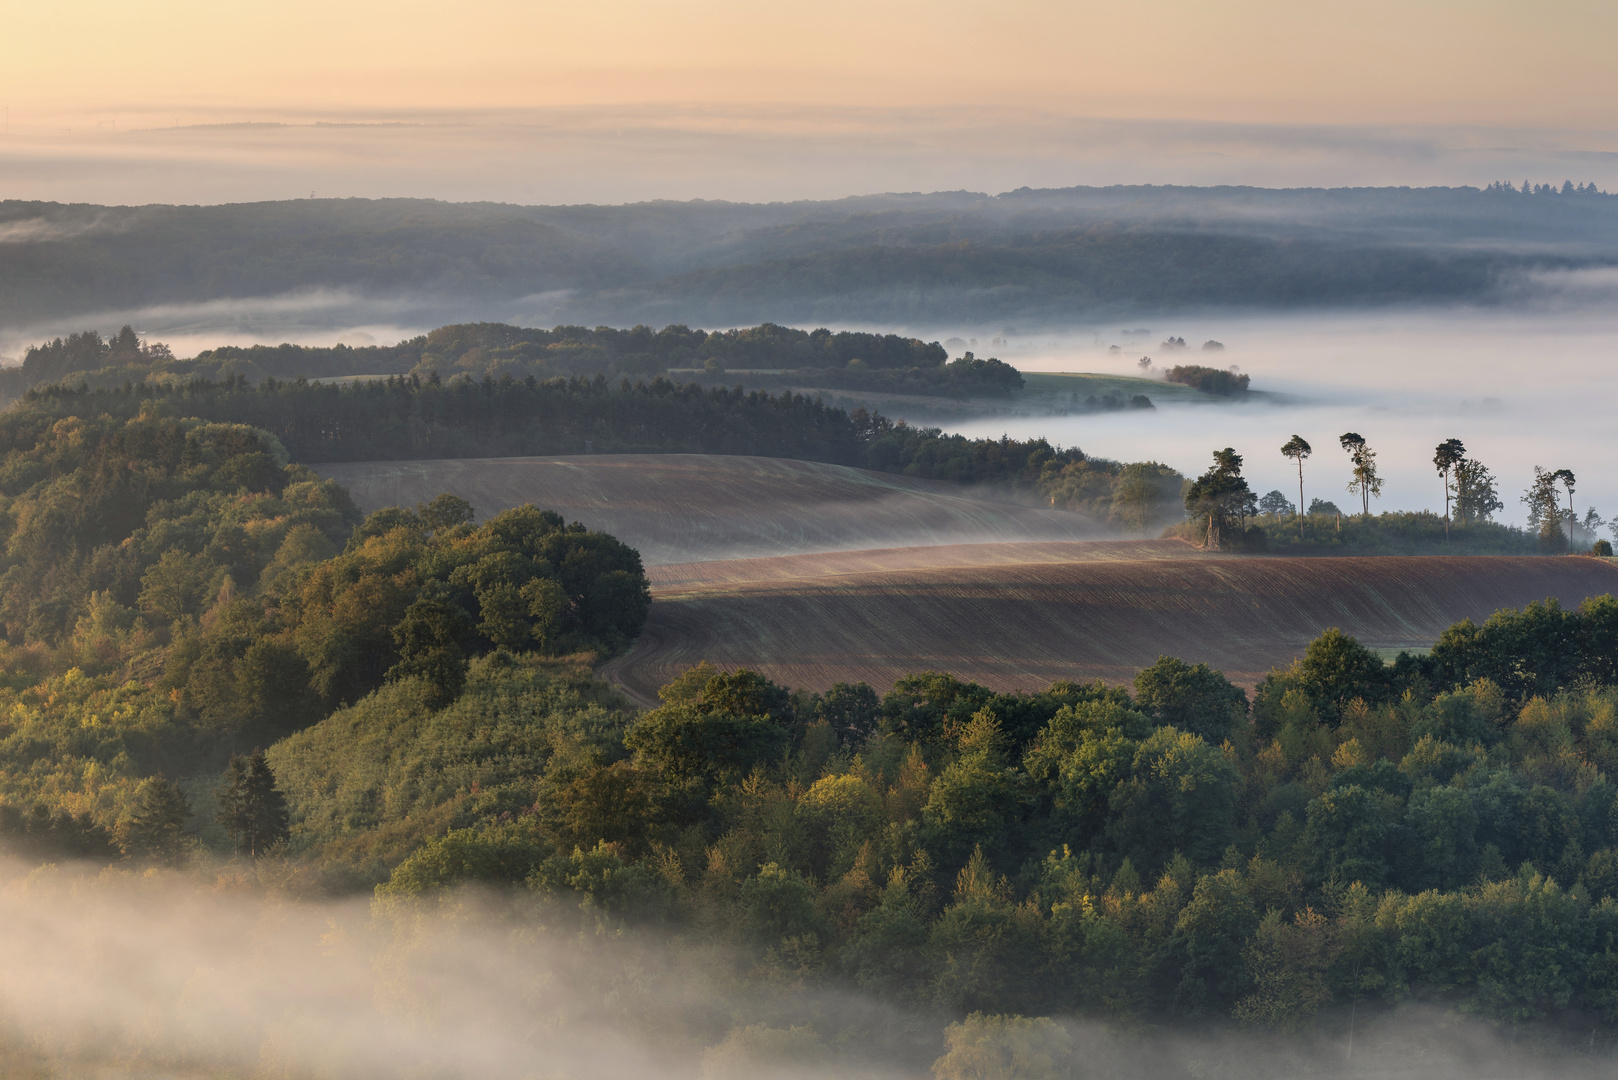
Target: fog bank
123, 974
1519, 388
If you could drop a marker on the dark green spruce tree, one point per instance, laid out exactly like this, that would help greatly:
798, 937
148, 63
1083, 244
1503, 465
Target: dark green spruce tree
251, 808
157, 827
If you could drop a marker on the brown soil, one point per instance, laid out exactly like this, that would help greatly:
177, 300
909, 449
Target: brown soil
1018, 616
677, 508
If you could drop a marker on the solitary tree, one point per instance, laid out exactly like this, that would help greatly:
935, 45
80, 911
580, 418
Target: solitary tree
1218, 493
1276, 505
251, 808
1298, 449
157, 826
1366, 482
1565, 478
1449, 454
1476, 497
1545, 509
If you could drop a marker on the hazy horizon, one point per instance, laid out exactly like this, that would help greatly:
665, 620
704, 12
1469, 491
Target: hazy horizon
635, 152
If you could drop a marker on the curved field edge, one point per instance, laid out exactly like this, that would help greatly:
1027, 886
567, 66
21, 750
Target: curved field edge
937, 556
1022, 625
677, 508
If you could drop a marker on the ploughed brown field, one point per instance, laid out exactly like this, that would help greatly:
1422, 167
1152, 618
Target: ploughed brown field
1019, 616
815, 574
684, 507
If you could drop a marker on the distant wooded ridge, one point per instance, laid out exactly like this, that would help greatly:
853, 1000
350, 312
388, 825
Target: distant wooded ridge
902, 259
889, 362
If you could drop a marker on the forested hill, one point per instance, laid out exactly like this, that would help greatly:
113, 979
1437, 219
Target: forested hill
818, 357
1027, 255
403, 418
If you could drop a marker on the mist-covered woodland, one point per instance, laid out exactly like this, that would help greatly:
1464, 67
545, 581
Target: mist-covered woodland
1039, 256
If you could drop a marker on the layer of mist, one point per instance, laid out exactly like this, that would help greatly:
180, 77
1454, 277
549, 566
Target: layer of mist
1034, 257
1518, 388
125, 974
676, 508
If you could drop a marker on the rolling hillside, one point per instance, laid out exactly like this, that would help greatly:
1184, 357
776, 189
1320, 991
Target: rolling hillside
678, 508
1020, 616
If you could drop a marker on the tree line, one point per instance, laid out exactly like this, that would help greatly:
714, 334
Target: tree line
406, 418
1221, 499
1350, 835
848, 359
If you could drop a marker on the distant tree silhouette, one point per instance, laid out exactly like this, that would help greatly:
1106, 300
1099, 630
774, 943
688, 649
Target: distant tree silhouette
1297, 448
1450, 453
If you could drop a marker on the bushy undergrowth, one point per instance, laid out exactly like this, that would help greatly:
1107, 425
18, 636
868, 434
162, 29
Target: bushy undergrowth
1393, 532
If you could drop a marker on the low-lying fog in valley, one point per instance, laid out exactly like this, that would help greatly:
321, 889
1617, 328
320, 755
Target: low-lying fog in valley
117, 974
1518, 388
1519, 385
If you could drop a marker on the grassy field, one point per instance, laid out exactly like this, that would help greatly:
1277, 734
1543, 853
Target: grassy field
1013, 622
679, 508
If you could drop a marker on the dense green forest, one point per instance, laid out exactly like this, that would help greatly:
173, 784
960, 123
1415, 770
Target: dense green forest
898, 259
1441, 830
173, 592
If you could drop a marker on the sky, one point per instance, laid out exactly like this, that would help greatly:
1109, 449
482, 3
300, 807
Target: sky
619, 100
1476, 62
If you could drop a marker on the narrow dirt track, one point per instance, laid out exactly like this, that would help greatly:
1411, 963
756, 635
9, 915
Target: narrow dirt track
677, 508
1020, 616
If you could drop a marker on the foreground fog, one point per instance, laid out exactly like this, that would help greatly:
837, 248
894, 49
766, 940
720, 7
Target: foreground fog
118, 974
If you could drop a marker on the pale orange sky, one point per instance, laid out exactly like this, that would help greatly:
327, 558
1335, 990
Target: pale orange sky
1478, 62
